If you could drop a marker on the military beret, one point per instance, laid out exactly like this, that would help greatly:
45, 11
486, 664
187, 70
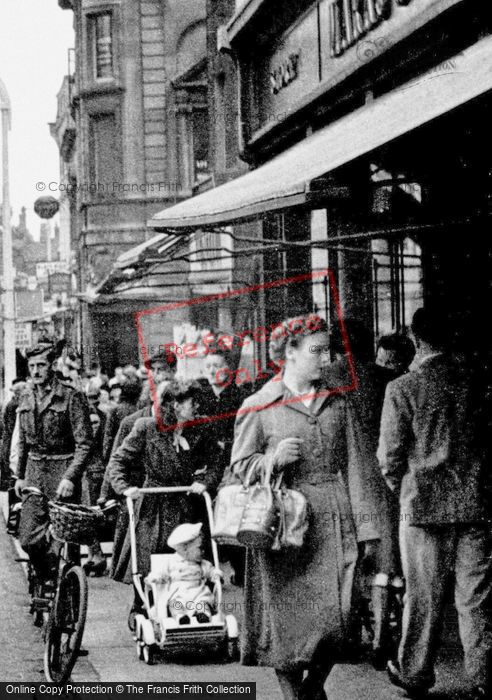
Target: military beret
40, 349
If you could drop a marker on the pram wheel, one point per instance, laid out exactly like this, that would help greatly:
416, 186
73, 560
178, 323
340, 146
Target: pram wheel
233, 649
148, 654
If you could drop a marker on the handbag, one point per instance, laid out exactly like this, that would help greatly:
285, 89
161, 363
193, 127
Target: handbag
229, 506
294, 517
261, 516
260, 522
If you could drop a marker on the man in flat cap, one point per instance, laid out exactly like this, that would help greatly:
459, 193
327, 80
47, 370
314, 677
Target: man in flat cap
55, 438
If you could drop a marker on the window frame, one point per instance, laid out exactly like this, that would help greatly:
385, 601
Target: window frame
93, 176
398, 283
91, 25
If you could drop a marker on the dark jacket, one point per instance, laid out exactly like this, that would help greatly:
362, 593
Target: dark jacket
219, 409
430, 450
157, 516
364, 406
137, 471
7, 429
113, 422
55, 437
96, 463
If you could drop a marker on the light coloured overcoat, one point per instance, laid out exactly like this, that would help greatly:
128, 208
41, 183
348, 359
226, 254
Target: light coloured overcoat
295, 600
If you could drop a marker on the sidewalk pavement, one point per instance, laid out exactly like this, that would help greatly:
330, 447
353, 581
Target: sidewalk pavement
112, 652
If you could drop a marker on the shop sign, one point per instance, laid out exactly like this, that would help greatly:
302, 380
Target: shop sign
23, 335
327, 43
285, 74
292, 60
59, 283
350, 20
45, 269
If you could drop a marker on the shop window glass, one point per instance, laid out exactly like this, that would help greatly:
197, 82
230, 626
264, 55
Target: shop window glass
397, 283
295, 298
103, 45
394, 196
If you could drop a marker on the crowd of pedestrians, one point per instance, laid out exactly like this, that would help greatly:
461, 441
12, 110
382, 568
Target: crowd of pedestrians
392, 460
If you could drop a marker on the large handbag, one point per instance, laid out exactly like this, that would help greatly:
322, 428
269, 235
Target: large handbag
294, 517
229, 506
260, 522
261, 516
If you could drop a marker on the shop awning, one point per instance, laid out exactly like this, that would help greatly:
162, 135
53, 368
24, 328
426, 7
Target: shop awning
285, 180
159, 245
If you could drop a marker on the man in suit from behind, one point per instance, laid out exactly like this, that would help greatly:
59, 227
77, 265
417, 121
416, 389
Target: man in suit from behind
432, 452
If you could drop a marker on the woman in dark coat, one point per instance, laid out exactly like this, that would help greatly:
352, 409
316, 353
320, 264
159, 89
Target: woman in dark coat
171, 458
298, 603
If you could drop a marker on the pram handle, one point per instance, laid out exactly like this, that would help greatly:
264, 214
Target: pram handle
156, 490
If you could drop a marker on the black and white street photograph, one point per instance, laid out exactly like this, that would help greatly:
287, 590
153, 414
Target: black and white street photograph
245, 355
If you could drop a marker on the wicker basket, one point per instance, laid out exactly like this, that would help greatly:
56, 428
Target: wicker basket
75, 523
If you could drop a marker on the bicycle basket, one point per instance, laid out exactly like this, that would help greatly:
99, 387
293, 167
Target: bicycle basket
75, 523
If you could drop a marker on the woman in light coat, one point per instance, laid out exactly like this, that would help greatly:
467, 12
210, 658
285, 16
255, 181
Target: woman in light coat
298, 603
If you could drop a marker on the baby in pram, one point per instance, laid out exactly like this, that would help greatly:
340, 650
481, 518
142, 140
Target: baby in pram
180, 580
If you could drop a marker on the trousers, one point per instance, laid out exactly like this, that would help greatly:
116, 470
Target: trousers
432, 559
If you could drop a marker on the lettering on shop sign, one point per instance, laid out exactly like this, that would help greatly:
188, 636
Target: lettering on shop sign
285, 74
352, 19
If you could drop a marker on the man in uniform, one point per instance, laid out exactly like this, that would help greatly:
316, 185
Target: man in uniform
55, 439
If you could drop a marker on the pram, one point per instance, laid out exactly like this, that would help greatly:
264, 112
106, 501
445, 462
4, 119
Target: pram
155, 629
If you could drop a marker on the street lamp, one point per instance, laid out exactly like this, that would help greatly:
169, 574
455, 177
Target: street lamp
8, 271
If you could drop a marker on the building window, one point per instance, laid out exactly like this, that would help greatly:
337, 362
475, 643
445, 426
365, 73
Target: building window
397, 284
193, 145
200, 145
105, 154
102, 39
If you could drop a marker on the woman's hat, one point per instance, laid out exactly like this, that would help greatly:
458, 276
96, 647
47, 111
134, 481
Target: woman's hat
183, 534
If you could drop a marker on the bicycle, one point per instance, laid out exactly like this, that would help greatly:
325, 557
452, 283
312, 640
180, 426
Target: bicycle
34, 506
66, 618
72, 525
61, 605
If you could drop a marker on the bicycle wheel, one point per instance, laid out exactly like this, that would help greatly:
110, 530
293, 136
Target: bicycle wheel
66, 626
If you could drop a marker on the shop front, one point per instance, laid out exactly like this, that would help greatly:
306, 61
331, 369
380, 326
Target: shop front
367, 156
384, 80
